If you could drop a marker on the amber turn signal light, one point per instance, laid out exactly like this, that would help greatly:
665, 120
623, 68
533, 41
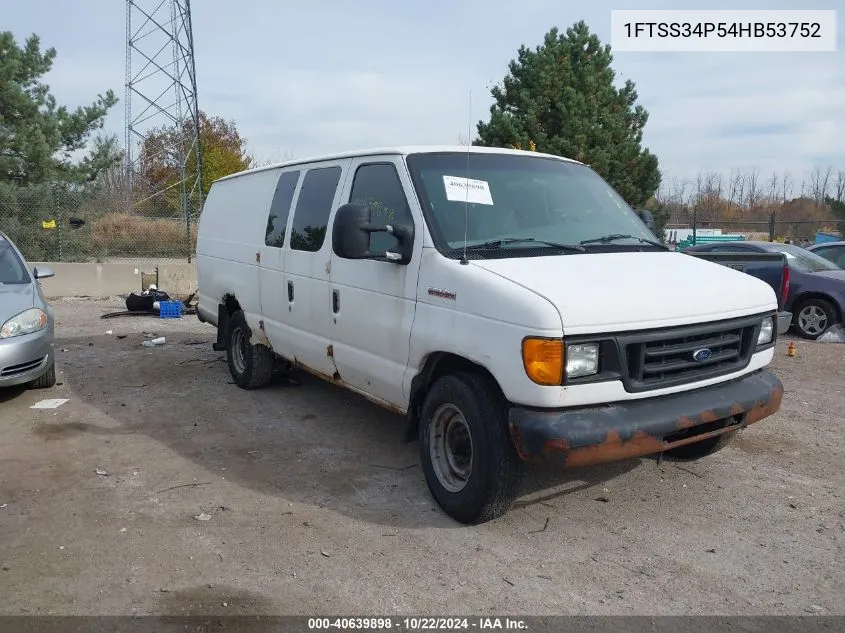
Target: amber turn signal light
543, 360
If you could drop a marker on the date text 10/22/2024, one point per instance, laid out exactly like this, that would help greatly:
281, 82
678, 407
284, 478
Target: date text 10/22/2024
416, 624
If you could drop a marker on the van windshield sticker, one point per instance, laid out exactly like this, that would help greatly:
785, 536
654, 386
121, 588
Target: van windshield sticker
466, 189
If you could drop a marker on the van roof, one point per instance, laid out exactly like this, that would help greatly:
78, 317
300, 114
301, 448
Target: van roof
399, 150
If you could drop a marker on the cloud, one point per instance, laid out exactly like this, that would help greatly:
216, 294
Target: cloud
335, 75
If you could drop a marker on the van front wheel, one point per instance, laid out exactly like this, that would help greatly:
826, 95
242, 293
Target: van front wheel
469, 462
251, 364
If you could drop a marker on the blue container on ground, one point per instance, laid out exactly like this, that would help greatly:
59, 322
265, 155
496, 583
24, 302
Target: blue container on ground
822, 237
170, 310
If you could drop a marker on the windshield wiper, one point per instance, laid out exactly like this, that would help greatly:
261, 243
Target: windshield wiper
605, 239
498, 243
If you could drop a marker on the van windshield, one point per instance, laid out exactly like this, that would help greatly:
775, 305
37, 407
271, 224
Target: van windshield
511, 205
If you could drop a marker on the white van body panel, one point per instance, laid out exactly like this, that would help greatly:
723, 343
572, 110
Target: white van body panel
466, 311
376, 301
308, 318
231, 232
271, 278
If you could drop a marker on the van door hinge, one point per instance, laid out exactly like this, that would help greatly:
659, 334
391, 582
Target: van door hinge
258, 257
330, 350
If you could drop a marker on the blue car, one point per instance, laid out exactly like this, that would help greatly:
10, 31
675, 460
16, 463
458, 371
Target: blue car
816, 285
27, 356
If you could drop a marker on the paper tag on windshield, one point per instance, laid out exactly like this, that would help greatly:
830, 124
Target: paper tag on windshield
466, 189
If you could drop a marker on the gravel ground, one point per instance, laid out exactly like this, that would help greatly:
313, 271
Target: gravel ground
308, 501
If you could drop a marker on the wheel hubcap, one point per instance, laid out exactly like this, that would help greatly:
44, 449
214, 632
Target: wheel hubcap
450, 447
238, 350
812, 320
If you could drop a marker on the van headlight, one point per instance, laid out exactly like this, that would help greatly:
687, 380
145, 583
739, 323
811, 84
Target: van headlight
582, 359
767, 329
26, 322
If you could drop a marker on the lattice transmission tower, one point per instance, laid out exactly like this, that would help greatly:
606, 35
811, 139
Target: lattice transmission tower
161, 92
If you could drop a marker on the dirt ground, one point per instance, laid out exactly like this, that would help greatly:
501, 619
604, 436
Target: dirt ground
312, 504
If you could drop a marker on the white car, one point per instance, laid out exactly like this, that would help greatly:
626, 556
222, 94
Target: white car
509, 304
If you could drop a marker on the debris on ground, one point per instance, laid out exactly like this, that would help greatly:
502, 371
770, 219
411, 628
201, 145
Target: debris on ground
148, 303
102, 472
836, 334
203, 516
49, 403
154, 342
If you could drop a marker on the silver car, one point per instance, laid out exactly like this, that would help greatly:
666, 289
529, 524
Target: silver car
26, 334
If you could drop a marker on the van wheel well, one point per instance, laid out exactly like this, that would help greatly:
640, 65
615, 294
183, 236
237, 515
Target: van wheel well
225, 310
231, 304
438, 364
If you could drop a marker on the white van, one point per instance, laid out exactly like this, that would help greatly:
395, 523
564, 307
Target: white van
509, 304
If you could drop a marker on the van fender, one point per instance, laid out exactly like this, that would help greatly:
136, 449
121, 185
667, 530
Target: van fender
436, 364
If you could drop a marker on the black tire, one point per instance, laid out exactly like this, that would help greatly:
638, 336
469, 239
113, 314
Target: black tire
696, 450
253, 366
822, 306
495, 469
46, 380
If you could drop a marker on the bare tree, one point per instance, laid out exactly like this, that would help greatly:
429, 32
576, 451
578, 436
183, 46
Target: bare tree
773, 187
734, 183
279, 156
819, 182
753, 191
839, 186
786, 186
740, 188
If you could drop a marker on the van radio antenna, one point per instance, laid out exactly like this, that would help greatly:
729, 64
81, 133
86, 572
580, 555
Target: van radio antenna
464, 259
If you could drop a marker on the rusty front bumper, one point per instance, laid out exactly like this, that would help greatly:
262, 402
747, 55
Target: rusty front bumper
573, 438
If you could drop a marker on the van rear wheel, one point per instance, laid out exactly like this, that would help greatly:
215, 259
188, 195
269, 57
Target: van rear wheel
251, 364
470, 465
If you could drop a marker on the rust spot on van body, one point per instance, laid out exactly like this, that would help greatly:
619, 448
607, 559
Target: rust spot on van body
259, 337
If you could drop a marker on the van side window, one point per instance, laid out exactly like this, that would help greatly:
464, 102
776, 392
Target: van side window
280, 209
378, 186
313, 208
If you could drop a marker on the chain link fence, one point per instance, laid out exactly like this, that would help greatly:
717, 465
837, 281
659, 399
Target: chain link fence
65, 224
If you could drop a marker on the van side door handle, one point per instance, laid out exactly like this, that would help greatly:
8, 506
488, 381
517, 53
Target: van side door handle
290, 291
335, 301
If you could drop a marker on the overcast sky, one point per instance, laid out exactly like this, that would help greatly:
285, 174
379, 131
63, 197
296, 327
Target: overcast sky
304, 78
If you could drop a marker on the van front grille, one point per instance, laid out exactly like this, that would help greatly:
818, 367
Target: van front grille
669, 357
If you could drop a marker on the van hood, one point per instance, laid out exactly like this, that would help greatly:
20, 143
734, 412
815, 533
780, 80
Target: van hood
606, 292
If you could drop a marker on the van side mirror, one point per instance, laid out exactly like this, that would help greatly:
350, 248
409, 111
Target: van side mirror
351, 235
647, 217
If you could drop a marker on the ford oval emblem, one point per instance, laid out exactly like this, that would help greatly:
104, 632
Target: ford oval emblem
701, 355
